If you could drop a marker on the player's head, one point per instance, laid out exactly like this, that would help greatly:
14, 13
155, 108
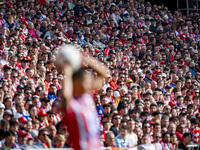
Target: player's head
82, 81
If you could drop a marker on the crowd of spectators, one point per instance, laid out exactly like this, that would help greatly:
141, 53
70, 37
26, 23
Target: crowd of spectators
150, 96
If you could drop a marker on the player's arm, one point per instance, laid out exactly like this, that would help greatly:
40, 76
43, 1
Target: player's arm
101, 70
67, 88
68, 60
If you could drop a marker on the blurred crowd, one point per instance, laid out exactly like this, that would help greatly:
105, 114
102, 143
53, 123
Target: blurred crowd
150, 96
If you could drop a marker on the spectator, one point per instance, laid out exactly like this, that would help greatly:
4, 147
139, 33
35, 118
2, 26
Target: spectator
116, 123
22, 139
187, 137
121, 140
59, 141
10, 141
43, 140
166, 141
131, 135
110, 139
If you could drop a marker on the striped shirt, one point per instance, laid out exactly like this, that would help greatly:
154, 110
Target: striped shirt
81, 121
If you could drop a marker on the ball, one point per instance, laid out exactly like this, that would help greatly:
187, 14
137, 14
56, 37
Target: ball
69, 54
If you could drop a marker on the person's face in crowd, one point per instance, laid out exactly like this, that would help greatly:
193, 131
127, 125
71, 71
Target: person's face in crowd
147, 85
10, 140
183, 121
157, 128
180, 101
156, 96
109, 93
20, 107
178, 85
157, 137
124, 111
14, 77
153, 108
96, 38
45, 57
123, 133
153, 84
189, 74
104, 101
25, 63
188, 101
22, 139
190, 110
52, 131
129, 97
146, 128
30, 73
13, 61
147, 104
7, 117
49, 77
31, 84
30, 142
8, 103
55, 82
7, 74
165, 122
172, 128
181, 128
33, 112
167, 96
167, 109
145, 140
122, 77
173, 139
123, 92
28, 94
33, 64
135, 90
36, 78
35, 126
135, 115
36, 102
107, 109
187, 140
117, 120
110, 140
44, 136
42, 71
131, 125
158, 76
52, 89
5, 56
59, 143
14, 128
50, 117
45, 104
166, 138
138, 132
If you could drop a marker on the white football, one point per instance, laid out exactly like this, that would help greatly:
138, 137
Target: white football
69, 54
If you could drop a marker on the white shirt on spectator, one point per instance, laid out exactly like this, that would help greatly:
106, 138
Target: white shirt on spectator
132, 138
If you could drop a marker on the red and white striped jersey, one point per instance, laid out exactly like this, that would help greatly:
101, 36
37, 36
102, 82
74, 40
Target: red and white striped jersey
106, 50
195, 134
81, 121
57, 118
